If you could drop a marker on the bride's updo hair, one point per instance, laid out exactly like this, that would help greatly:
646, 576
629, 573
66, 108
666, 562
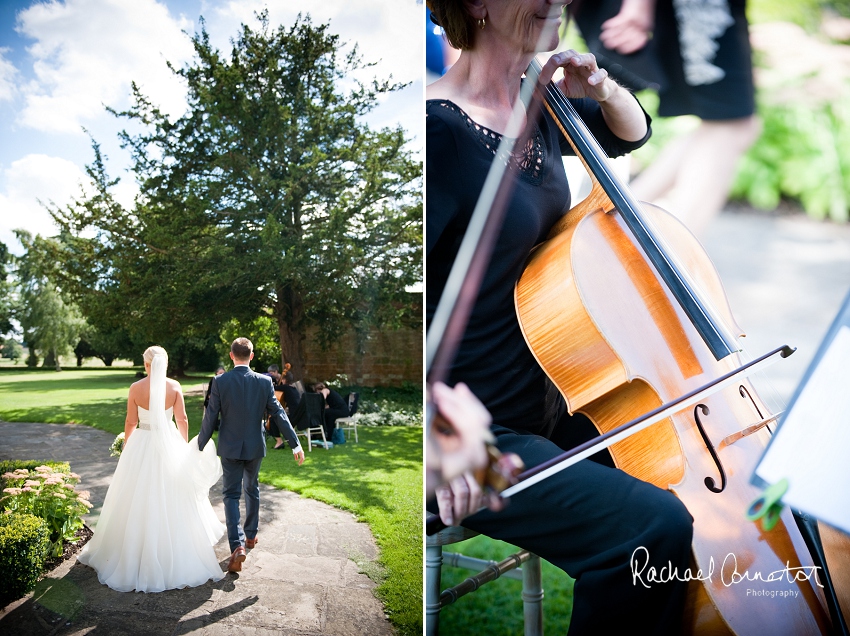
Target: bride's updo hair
150, 352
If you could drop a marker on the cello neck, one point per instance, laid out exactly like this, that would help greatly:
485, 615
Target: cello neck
712, 331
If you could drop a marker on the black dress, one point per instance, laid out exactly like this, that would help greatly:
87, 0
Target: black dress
590, 518
337, 407
700, 62
291, 398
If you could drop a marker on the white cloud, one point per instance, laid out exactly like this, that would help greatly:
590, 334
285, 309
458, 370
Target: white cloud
7, 77
86, 53
28, 180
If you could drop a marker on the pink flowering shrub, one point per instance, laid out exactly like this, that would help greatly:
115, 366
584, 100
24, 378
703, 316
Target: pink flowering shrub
50, 494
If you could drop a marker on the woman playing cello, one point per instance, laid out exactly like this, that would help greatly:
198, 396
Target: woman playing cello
590, 518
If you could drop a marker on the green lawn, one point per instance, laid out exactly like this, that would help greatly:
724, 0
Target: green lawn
498, 604
379, 479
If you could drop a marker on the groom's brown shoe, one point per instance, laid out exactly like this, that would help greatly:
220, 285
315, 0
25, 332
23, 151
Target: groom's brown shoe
236, 560
250, 543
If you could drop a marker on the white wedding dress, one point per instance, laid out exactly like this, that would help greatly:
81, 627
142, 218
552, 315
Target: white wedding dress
157, 528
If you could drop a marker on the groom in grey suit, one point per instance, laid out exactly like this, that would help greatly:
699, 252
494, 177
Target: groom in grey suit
243, 398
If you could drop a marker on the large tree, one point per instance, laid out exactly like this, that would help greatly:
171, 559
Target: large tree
269, 195
51, 322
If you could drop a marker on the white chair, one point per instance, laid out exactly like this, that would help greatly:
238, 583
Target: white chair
435, 600
350, 423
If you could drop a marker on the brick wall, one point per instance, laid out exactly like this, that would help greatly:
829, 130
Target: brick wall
381, 358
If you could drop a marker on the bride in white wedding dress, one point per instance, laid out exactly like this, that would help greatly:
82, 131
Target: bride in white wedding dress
157, 528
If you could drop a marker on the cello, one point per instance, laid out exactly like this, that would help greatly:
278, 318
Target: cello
624, 312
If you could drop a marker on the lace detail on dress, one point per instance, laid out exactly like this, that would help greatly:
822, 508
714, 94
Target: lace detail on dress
529, 160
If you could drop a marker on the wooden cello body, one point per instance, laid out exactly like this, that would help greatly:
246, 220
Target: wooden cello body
604, 326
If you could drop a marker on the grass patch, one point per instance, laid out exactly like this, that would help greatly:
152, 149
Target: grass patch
498, 604
379, 479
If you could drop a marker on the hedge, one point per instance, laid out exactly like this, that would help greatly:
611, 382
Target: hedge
24, 542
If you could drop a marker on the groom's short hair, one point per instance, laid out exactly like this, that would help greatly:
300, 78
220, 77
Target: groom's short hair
242, 348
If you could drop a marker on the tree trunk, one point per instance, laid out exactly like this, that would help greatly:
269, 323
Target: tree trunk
56, 360
49, 359
289, 311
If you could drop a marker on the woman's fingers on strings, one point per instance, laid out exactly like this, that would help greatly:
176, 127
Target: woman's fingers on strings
598, 77
445, 504
458, 499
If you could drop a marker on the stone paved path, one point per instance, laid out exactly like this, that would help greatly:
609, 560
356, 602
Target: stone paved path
786, 277
300, 579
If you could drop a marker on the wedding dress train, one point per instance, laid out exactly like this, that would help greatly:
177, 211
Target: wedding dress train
157, 528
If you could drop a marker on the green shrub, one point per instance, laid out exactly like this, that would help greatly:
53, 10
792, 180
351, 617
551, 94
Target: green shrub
24, 541
802, 154
50, 494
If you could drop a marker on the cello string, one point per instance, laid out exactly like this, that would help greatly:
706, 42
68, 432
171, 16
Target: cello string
597, 155
771, 398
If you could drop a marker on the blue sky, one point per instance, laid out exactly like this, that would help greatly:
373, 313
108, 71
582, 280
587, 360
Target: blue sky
62, 61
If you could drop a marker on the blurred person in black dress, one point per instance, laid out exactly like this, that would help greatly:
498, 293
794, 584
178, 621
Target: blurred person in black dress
697, 55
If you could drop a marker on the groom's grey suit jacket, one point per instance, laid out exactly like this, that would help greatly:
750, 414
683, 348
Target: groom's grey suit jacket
244, 398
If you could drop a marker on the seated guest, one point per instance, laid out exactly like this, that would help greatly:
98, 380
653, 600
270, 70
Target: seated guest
335, 407
291, 398
274, 373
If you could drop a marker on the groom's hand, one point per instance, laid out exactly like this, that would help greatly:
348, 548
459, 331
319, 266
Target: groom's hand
299, 456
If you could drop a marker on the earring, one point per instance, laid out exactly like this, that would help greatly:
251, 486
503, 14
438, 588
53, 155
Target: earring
481, 23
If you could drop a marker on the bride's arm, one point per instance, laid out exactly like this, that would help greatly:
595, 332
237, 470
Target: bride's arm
180, 414
132, 418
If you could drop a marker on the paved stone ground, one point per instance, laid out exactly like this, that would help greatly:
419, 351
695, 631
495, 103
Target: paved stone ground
785, 277
300, 579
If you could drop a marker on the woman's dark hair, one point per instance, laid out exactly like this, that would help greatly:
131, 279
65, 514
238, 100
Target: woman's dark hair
319, 386
452, 16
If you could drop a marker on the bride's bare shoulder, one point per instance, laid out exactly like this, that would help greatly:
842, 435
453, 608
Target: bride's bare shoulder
137, 391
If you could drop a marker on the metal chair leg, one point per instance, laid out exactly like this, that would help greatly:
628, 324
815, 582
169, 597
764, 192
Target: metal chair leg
433, 565
532, 597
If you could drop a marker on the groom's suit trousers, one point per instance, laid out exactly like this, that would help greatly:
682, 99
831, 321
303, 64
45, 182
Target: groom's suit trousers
241, 475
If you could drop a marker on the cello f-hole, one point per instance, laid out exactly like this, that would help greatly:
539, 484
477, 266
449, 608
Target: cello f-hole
709, 481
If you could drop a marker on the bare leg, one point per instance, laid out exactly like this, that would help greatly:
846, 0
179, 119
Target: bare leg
692, 176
